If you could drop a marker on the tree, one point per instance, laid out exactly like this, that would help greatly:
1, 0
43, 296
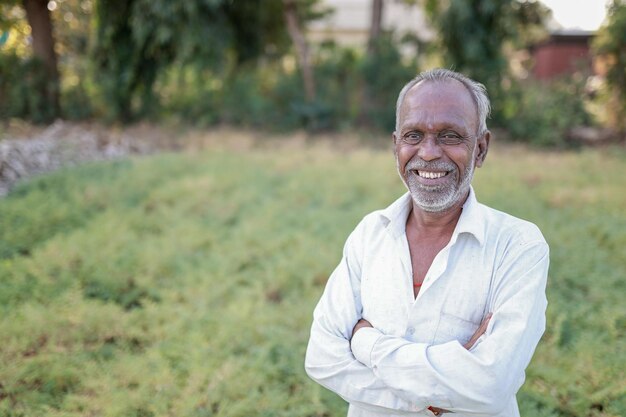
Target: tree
137, 39
39, 20
258, 29
126, 56
473, 34
29, 85
610, 44
375, 25
294, 27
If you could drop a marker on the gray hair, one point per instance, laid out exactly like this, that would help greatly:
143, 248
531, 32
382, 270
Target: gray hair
476, 90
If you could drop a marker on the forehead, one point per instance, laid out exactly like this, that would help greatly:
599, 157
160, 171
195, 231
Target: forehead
439, 104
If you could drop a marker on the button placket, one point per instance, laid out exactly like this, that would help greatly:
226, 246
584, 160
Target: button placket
437, 268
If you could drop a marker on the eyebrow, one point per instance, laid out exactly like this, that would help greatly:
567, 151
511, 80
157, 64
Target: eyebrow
447, 127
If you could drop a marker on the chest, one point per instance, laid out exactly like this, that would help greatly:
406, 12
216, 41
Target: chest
454, 297
422, 255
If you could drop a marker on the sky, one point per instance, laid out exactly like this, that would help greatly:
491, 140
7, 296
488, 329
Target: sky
578, 14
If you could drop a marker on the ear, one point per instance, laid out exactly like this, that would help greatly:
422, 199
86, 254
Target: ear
482, 144
394, 139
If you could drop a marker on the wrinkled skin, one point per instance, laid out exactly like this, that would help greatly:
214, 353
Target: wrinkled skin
431, 110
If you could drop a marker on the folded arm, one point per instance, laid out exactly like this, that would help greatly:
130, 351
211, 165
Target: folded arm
484, 379
329, 359
362, 323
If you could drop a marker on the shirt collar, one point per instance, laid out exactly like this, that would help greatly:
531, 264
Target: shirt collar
472, 220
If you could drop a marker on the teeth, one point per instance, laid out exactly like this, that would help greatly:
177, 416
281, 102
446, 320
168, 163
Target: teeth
431, 175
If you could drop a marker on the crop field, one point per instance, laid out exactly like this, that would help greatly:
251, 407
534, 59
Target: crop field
183, 284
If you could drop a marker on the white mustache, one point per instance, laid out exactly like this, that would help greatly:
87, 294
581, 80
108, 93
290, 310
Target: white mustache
420, 164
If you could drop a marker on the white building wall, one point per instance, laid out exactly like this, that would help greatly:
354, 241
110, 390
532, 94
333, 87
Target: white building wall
350, 22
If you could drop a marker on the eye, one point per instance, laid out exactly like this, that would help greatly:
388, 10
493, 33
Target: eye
413, 138
450, 138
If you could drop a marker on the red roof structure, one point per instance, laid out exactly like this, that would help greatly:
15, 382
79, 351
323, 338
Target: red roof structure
563, 53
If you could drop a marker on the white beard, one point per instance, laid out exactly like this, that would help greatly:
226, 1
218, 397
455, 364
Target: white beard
441, 198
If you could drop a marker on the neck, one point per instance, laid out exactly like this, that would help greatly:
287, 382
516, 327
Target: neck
435, 223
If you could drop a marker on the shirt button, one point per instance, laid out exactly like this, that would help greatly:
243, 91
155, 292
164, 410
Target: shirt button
410, 331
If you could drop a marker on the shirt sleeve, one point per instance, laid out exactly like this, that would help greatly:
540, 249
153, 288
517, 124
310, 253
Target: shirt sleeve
484, 379
329, 359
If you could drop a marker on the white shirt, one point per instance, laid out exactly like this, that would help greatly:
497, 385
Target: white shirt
414, 357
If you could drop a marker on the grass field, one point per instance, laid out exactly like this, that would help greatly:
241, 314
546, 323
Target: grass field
183, 284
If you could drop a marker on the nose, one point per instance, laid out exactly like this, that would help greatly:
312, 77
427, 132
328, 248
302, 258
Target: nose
429, 149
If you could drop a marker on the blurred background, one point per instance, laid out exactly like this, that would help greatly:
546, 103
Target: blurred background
312, 64
177, 179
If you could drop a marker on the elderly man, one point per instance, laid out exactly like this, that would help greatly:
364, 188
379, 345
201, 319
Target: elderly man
439, 301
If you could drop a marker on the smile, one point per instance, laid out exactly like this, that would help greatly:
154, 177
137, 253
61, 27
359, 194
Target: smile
432, 175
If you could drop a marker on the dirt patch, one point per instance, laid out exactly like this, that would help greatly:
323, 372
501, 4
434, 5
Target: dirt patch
26, 151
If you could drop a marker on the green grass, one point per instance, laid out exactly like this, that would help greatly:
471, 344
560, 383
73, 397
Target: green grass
183, 284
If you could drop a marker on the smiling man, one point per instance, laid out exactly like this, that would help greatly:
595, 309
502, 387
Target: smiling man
439, 301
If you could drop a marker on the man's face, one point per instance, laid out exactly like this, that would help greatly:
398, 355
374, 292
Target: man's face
436, 145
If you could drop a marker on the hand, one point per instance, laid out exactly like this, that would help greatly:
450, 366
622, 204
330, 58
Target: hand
438, 411
479, 332
360, 324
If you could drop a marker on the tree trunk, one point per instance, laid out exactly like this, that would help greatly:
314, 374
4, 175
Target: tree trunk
38, 17
302, 48
369, 100
375, 26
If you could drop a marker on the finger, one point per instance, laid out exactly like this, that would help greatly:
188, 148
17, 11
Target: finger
485, 323
360, 324
479, 332
482, 328
437, 411
471, 342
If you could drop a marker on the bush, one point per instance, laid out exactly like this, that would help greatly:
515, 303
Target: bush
76, 103
351, 90
23, 87
384, 74
354, 89
243, 101
187, 93
544, 113
609, 44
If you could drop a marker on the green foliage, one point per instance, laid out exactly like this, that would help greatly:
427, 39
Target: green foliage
352, 90
610, 44
10, 16
258, 29
339, 77
184, 284
473, 34
23, 87
76, 103
139, 39
23, 84
210, 62
543, 114
72, 31
126, 67
244, 99
384, 74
